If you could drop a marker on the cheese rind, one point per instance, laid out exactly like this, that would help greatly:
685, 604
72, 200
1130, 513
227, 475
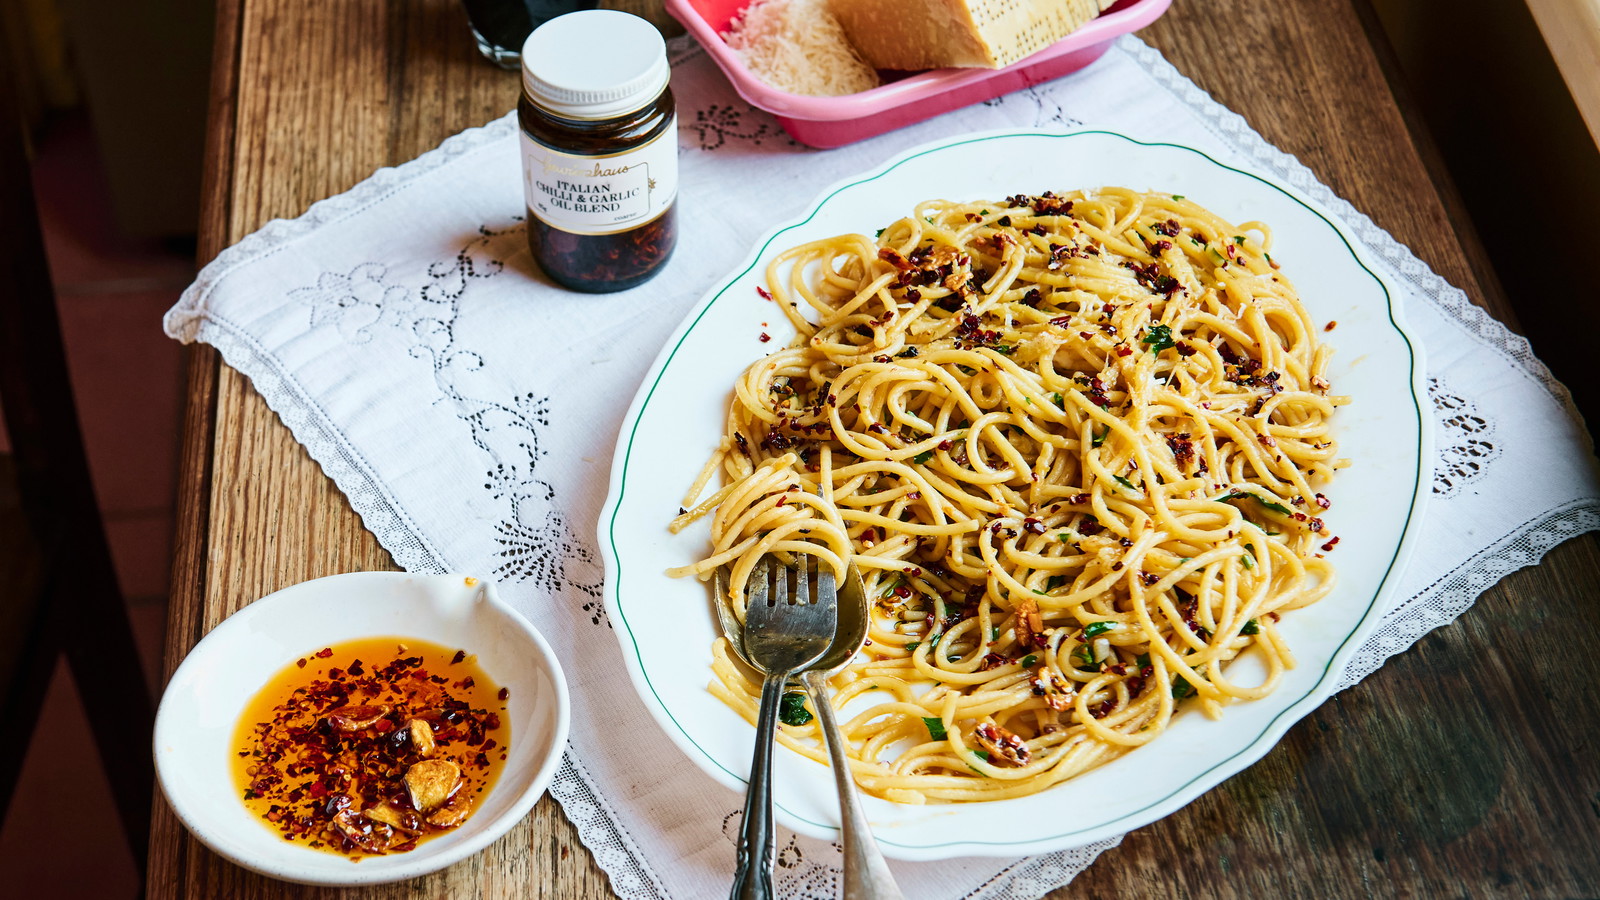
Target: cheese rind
928, 34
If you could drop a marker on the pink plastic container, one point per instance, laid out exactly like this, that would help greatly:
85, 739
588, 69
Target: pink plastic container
836, 121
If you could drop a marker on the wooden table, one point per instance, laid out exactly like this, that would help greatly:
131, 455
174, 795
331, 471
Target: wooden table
1467, 766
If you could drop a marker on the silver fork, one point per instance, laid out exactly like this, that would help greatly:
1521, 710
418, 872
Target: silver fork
785, 631
866, 873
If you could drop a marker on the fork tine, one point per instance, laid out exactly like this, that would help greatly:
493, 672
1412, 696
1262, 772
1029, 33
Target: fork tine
780, 588
826, 584
756, 586
802, 589
826, 599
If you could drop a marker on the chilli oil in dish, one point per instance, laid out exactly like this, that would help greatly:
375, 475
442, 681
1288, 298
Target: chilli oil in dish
371, 746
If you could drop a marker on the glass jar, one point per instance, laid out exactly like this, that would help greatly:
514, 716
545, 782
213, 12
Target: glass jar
599, 150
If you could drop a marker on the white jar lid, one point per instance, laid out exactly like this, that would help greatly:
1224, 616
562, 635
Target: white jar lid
594, 64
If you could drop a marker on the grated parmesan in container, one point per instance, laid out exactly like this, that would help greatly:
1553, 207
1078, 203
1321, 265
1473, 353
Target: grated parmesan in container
799, 47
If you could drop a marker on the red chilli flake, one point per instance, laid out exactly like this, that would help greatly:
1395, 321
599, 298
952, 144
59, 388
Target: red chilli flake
1330, 326
1181, 446
765, 337
1331, 544
765, 295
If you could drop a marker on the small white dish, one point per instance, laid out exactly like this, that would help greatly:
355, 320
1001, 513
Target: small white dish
203, 702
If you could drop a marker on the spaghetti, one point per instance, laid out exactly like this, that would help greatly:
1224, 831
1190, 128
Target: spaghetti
1074, 445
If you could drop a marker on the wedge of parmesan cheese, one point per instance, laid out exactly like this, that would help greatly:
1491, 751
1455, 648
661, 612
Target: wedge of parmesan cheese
929, 34
798, 46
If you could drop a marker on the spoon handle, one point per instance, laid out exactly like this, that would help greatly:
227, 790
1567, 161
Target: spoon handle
866, 873
752, 880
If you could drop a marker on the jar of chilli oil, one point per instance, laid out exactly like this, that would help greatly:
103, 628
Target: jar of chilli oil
599, 150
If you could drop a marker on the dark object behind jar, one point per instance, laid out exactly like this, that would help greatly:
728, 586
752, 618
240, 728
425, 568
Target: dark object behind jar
500, 26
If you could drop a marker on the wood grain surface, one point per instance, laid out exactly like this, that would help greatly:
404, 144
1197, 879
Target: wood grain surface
1467, 767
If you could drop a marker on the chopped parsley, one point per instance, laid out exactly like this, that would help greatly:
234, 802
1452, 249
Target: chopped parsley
1100, 437
1029, 660
792, 709
1177, 196
1243, 495
1251, 627
1095, 629
935, 727
911, 645
1125, 483
1181, 689
922, 457
1248, 560
1083, 657
1158, 338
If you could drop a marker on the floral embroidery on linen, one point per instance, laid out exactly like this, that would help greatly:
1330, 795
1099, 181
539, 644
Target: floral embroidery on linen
794, 876
718, 123
1466, 444
536, 541
1045, 110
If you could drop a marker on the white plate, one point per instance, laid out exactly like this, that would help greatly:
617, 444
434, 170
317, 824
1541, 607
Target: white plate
203, 702
666, 626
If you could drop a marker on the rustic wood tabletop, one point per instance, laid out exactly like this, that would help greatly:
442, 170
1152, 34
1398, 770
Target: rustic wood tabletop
1468, 766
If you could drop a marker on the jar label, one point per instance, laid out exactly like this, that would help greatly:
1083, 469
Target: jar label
601, 194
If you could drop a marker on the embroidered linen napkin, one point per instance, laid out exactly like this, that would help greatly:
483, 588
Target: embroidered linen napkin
468, 409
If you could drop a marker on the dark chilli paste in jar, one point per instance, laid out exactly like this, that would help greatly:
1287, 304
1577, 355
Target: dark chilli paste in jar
599, 150
371, 746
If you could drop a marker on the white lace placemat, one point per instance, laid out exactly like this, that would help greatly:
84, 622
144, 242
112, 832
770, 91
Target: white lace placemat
468, 409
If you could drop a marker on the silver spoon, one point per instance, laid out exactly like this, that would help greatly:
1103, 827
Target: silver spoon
866, 873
